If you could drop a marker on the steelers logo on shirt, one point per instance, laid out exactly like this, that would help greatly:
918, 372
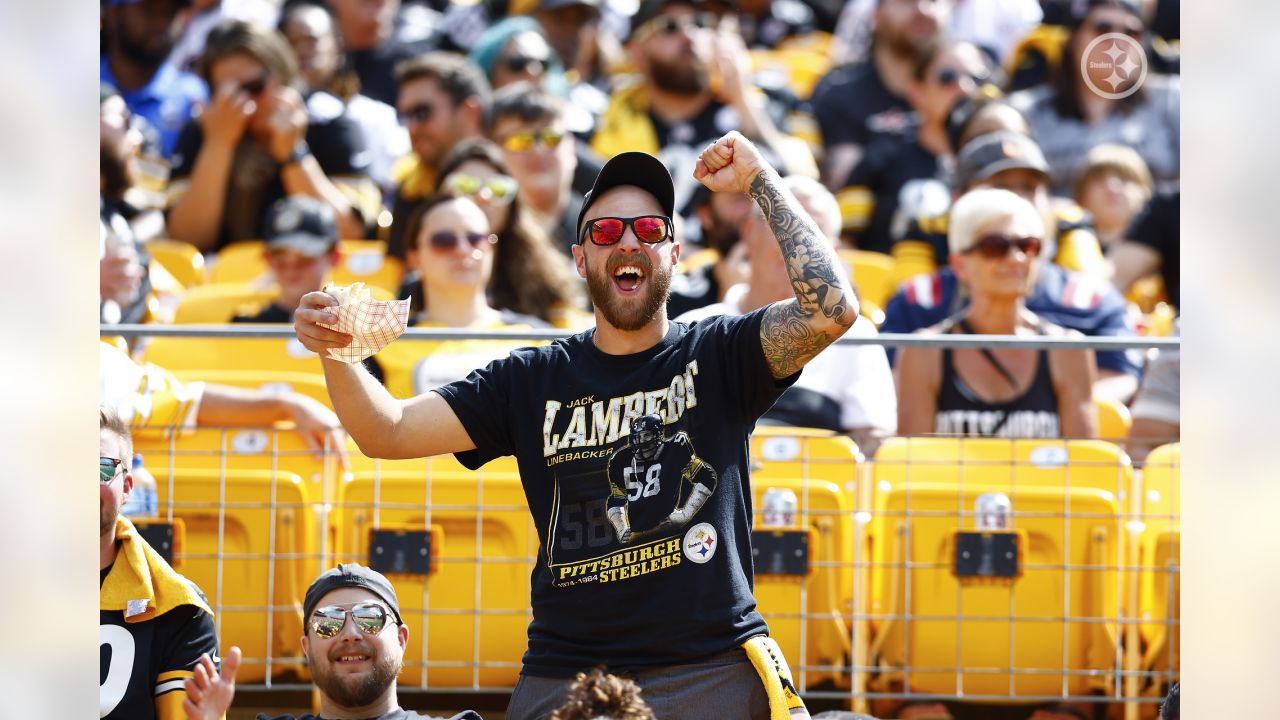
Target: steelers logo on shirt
700, 543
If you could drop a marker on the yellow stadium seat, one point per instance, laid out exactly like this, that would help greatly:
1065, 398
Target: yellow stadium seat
1160, 501
367, 261
1113, 420
467, 618
182, 260
250, 354
872, 273
239, 262
808, 614
218, 303
358, 260
1052, 629
250, 543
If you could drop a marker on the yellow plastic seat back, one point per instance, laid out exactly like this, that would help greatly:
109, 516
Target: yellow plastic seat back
468, 618
181, 259
872, 273
1113, 420
1055, 625
1161, 514
807, 614
367, 261
225, 353
249, 542
215, 304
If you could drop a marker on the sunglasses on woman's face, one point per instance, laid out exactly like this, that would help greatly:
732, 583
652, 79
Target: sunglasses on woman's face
369, 617
522, 63
651, 229
1133, 30
996, 247
498, 189
445, 241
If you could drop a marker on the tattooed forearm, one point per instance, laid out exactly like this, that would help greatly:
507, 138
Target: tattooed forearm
824, 307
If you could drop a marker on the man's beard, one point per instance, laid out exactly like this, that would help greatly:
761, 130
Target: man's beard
139, 52
686, 76
902, 44
352, 691
106, 520
614, 308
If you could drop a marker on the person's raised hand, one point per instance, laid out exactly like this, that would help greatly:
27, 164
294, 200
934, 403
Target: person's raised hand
729, 164
288, 123
209, 693
318, 307
224, 119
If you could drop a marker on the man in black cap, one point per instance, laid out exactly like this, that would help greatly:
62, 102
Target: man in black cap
675, 609
302, 246
354, 640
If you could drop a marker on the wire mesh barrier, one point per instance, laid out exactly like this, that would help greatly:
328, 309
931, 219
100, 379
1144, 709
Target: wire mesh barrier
971, 571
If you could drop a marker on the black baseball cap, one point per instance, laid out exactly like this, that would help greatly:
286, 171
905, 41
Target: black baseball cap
650, 9
632, 168
350, 575
995, 152
303, 224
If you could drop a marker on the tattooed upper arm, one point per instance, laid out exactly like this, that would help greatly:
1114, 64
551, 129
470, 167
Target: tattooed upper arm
793, 332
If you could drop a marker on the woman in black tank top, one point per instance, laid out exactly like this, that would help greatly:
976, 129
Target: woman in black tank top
996, 392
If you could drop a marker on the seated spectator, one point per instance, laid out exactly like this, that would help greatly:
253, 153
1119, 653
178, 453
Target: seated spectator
1068, 118
456, 255
1113, 186
137, 38
860, 103
529, 277
599, 695
333, 88
573, 28
124, 286
895, 179
1156, 411
154, 624
515, 50
980, 114
302, 246
380, 34
1007, 161
1151, 245
255, 144
845, 388
529, 125
150, 398
442, 99
720, 219
673, 110
126, 180
995, 239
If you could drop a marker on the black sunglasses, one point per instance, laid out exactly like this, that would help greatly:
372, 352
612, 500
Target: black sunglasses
108, 468
951, 76
670, 25
445, 240
1102, 27
518, 63
369, 617
996, 246
651, 229
255, 86
417, 114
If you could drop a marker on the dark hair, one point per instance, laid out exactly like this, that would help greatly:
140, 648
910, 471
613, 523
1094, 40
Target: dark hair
525, 101
238, 37
1169, 710
598, 694
457, 76
530, 276
345, 83
1066, 98
110, 422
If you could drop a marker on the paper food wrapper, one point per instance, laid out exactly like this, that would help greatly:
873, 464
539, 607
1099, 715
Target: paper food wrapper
372, 324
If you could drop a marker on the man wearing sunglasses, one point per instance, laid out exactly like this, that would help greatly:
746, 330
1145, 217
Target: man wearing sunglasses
154, 624
565, 409
353, 639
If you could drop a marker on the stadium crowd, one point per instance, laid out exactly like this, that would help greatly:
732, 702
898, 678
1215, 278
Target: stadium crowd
973, 165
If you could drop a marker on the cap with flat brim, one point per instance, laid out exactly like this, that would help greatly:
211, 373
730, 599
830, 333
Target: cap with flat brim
986, 155
637, 169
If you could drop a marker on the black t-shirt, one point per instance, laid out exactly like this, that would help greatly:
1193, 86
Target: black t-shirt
887, 170
852, 106
1159, 228
397, 714
564, 410
138, 661
272, 313
255, 184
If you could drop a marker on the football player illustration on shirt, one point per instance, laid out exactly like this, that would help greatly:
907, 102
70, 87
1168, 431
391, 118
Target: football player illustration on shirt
648, 478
